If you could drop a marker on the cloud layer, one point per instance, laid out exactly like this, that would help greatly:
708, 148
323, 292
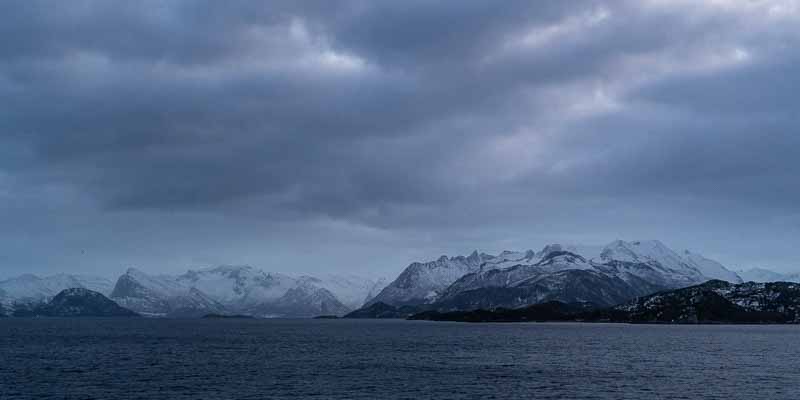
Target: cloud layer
360, 135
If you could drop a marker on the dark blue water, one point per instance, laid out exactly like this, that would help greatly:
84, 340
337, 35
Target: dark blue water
349, 359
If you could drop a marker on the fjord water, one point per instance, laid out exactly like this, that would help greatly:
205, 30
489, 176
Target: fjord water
380, 359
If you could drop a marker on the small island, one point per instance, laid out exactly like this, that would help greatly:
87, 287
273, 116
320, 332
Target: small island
227, 316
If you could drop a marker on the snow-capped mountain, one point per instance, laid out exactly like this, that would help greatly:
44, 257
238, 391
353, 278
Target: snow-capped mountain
765, 275
31, 289
617, 270
149, 295
423, 282
237, 289
558, 275
513, 276
304, 300
352, 290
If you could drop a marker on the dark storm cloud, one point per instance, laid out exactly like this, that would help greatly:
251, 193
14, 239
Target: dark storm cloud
150, 106
531, 120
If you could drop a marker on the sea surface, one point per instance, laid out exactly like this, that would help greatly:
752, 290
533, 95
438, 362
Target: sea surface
378, 359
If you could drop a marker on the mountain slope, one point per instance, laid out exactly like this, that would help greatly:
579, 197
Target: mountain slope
567, 286
145, 294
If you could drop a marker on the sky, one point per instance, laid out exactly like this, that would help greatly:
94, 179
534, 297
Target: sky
359, 136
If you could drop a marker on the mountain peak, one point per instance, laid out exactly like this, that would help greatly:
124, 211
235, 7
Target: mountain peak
133, 271
550, 248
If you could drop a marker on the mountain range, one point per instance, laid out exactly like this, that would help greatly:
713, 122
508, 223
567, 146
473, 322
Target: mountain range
219, 290
601, 276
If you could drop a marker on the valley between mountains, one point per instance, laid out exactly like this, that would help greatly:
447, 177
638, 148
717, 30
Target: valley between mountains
636, 281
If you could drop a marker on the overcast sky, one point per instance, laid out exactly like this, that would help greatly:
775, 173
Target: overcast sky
362, 135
